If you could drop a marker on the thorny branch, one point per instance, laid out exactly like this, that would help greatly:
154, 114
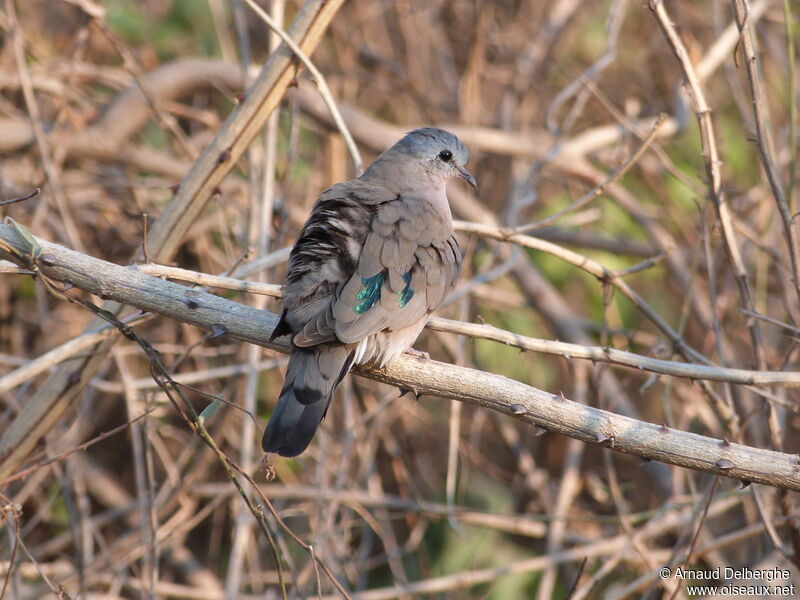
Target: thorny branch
551, 411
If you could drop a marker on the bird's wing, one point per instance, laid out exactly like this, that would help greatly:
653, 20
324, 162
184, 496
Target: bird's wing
408, 260
324, 256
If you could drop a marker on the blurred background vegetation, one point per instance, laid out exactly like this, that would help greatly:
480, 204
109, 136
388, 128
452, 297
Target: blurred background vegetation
551, 96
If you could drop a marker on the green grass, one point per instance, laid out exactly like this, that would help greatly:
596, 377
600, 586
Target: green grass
186, 30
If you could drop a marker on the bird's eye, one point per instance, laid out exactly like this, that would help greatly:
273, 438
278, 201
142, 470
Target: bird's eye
445, 155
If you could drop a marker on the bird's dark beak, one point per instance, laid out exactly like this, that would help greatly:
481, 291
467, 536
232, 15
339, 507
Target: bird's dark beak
468, 177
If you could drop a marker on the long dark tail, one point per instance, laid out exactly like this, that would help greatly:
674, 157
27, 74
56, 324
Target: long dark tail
311, 378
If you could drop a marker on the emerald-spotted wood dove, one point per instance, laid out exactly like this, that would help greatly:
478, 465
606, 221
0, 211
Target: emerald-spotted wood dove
375, 258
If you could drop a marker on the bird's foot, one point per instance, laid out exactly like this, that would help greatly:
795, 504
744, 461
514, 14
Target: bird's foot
268, 465
418, 354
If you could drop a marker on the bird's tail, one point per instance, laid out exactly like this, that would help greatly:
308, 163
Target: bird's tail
311, 378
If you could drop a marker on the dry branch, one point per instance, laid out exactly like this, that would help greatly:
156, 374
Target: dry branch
744, 21
711, 157
517, 400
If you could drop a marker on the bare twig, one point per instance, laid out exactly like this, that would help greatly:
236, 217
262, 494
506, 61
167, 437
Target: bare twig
319, 80
600, 189
614, 356
42, 142
763, 137
80, 448
593, 268
27, 196
712, 162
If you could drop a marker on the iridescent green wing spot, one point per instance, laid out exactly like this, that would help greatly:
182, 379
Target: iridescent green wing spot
406, 293
369, 294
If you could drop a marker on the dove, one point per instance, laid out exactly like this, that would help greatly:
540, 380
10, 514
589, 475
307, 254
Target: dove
375, 258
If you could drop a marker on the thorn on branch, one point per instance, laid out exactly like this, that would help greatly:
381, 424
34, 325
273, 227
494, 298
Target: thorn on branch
602, 439
408, 390
218, 331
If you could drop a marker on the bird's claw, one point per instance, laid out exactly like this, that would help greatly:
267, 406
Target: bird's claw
267, 465
418, 354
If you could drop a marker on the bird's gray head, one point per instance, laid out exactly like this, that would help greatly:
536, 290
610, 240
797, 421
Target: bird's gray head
442, 152
439, 153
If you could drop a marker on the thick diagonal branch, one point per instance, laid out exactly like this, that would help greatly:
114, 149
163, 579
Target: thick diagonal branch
512, 398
